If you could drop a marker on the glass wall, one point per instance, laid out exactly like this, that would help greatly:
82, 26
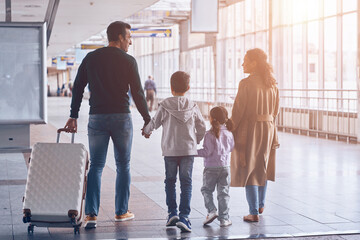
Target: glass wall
158, 57
313, 50
241, 28
323, 47
199, 63
318, 39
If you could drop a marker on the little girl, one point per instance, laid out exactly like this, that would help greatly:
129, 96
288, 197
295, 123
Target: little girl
218, 144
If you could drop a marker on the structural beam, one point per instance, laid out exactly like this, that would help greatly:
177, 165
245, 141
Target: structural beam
358, 71
50, 17
8, 11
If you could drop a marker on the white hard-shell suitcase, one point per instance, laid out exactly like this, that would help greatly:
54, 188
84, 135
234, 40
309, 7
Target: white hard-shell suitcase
56, 185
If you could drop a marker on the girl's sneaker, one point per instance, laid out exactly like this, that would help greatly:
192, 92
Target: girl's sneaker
184, 224
211, 217
225, 222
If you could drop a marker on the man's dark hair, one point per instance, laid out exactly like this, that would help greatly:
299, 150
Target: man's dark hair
180, 81
116, 28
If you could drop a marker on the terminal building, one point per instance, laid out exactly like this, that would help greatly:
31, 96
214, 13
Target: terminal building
313, 46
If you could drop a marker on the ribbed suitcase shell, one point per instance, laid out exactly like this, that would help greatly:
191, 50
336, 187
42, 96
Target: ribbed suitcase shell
56, 183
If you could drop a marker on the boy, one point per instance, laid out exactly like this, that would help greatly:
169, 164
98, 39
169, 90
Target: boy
183, 128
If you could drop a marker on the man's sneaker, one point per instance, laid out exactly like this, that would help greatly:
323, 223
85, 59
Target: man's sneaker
90, 221
173, 218
225, 222
124, 217
211, 217
184, 224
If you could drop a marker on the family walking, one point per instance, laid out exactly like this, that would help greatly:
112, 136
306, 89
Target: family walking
238, 151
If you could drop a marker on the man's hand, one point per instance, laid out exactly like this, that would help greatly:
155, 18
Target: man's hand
71, 124
144, 133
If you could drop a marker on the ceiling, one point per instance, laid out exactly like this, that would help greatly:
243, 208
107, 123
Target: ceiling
75, 20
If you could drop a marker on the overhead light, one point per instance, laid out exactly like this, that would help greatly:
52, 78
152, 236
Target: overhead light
28, 15
32, 6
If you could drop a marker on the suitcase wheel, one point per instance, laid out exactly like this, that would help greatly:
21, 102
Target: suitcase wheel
30, 229
76, 230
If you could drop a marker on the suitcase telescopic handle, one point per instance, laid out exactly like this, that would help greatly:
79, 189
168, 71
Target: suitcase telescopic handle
65, 130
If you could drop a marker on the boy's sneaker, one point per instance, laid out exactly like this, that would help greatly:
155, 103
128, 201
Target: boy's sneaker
184, 224
173, 218
90, 221
225, 222
211, 217
124, 217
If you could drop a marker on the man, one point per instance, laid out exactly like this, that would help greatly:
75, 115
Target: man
150, 88
109, 71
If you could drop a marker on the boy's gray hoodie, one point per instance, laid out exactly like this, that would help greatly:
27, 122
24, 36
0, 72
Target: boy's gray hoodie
183, 126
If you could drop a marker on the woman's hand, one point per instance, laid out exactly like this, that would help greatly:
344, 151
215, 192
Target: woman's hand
242, 163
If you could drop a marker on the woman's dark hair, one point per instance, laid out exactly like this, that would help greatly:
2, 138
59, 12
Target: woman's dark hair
219, 116
116, 28
262, 66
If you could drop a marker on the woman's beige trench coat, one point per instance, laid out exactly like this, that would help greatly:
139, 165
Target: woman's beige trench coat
254, 111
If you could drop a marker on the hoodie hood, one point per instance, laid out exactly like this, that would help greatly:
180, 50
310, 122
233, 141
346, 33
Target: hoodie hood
179, 107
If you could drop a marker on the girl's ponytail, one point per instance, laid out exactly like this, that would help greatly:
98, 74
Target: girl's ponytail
219, 116
215, 127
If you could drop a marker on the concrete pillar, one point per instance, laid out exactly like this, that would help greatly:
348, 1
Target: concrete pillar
358, 73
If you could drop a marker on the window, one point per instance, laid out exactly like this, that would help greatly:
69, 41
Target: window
313, 9
330, 43
261, 15
349, 5
313, 54
349, 50
239, 21
297, 56
330, 7
249, 23
299, 10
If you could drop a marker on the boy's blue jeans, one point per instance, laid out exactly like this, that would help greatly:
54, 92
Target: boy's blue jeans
101, 128
255, 196
185, 166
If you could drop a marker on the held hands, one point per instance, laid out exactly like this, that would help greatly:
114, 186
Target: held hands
145, 134
71, 125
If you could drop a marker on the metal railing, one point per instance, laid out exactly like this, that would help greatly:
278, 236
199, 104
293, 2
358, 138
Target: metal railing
316, 112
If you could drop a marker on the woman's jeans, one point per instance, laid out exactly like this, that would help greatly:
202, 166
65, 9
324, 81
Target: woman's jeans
255, 196
101, 128
219, 178
185, 165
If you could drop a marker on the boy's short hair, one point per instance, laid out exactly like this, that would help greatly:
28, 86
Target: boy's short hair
180, 81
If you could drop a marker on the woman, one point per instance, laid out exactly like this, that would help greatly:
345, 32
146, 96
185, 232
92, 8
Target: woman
255, 109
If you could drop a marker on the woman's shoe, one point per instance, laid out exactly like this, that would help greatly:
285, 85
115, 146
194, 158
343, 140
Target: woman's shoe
251, 218
261, 210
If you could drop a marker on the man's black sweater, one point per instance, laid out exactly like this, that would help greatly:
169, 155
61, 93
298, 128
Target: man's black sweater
109, 71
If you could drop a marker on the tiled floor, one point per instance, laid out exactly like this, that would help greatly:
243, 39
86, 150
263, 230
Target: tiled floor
316, 191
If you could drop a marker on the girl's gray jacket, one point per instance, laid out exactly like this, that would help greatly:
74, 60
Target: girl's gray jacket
183, 126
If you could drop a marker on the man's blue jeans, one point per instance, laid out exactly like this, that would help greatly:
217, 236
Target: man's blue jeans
255, 196
101, 128
185, 165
